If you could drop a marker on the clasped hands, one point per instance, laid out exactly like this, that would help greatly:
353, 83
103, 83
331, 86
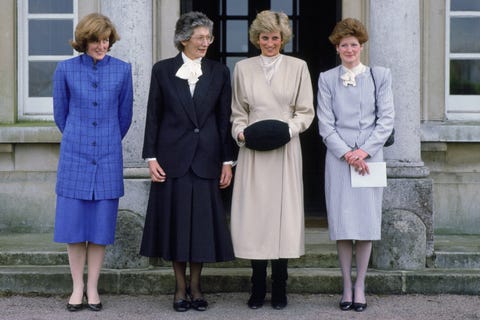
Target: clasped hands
158, 175
356, 158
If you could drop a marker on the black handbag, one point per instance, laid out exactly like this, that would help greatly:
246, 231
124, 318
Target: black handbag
391, 138
266, 135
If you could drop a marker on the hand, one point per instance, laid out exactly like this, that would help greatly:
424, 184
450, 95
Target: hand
361, 167
156, 172
352, 156
356, 159
226, 176
241, 137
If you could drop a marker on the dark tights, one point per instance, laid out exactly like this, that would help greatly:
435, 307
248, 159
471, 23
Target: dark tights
179, 269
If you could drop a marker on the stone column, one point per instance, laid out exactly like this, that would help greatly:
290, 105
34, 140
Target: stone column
395, 43
134, 22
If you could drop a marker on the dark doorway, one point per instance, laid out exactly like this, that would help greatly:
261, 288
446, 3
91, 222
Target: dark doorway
312, 23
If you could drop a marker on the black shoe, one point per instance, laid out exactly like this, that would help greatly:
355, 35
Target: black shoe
279, 283
199, 304
93, 306
346, 305
359, 307
279, 303
181, 305
255, 301
74, 307
279, 294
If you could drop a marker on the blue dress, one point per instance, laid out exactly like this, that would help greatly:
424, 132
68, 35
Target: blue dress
92, 105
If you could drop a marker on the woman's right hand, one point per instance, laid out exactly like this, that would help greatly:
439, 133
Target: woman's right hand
156, 172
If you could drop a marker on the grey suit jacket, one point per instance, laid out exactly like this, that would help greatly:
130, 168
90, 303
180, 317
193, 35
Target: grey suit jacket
347, 115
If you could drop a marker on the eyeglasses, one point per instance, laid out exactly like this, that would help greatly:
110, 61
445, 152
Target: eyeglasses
202, 39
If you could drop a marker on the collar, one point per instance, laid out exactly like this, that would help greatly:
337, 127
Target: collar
349, 75
187, 59
88, 60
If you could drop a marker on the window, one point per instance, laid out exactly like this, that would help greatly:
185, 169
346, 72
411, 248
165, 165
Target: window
235, 18
463, 60
44, 30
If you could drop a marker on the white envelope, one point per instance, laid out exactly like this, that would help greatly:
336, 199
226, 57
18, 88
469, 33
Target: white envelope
376, 178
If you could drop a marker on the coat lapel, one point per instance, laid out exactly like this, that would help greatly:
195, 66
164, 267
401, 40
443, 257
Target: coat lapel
202, 86
183, 90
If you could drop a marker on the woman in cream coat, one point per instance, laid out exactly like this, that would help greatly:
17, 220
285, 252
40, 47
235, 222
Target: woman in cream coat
267, 217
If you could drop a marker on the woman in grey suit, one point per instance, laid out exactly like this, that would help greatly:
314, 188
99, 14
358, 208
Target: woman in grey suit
355, 112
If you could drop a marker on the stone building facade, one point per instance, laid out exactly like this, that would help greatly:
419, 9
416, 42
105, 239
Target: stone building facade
433, 167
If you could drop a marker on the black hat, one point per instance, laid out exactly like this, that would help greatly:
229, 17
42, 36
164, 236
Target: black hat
266, 135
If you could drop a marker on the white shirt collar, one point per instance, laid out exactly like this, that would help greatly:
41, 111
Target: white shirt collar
349, 75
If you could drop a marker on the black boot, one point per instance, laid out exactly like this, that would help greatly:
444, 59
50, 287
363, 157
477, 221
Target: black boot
279, 283
259, 283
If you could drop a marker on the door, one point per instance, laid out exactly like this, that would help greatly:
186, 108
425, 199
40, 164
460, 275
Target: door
312, 23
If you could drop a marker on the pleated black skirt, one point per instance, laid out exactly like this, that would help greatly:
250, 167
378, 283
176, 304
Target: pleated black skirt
186, 221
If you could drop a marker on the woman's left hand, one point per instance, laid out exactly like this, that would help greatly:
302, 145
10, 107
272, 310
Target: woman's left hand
226, 176
356, 158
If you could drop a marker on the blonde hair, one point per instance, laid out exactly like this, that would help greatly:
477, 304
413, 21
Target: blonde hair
270, 21
348, 27
92, 28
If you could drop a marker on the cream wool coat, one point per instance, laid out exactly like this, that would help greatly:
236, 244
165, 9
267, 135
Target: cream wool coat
267, 216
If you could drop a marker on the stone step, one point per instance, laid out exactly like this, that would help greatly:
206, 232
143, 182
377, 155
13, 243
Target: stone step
39, 249
451, 251
47, 280
457, 251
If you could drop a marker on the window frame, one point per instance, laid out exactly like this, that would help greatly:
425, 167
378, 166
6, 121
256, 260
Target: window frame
36, 108
252, 7
459, 107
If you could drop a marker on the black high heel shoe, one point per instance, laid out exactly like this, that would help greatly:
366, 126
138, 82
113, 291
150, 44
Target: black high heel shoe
359, 307
346, 305
74, 307
93, 306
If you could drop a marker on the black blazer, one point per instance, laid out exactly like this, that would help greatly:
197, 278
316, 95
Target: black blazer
185, 132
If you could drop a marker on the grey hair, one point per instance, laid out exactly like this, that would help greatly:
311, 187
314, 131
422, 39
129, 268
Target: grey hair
187, 23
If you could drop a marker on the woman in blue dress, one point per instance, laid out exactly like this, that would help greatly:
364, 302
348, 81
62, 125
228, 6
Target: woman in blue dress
92, 102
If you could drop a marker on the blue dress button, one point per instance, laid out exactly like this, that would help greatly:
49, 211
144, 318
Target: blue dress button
94, 123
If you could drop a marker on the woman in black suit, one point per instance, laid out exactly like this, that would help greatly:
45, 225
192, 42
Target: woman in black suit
189, 152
